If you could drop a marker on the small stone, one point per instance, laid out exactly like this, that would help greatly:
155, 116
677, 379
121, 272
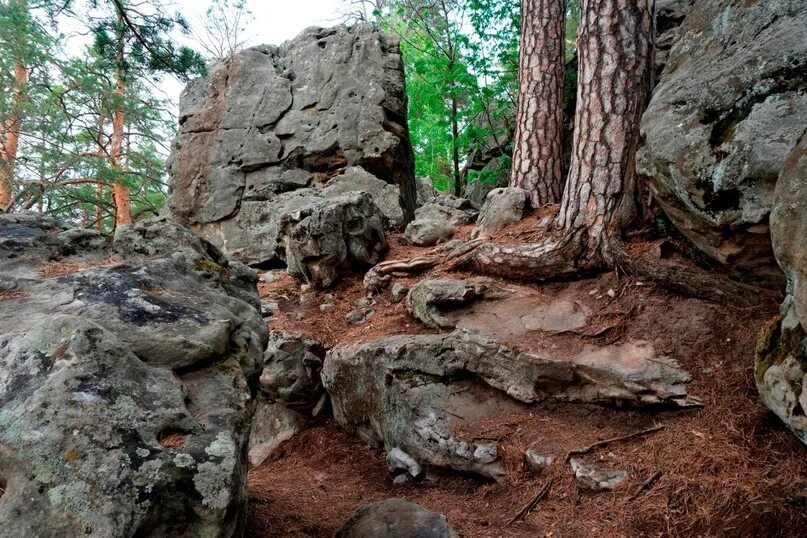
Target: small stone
328, 298
268, 308
537, 463
611, 293
595, 291
399, 292
596, 478
399, 462
269, 276
363, 302
357, 317
326, 307
305, 288
400, 480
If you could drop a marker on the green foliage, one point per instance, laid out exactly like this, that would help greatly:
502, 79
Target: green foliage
65, 141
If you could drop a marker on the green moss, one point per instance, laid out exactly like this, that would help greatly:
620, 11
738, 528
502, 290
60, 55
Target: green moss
773, 347
209, 266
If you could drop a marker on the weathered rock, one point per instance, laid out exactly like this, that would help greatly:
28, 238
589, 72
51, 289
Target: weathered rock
399, 462
124, 393
669, 16
425, 190
729, 108
427, 300
386, 196
322, 240
296, 116
428, 232
476, 193
592, 478
502, 208
291, 371
455, 211
272, 424
537, 463
408, 392
398, 292
781, 355
395, 518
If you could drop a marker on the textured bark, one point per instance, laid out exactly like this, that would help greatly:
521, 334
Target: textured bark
120, 192
615, 73
537, 152
11, 135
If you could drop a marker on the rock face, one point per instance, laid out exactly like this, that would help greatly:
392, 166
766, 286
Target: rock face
291, 372
407, 392
449, 209
395, 518
428, 299
729, 108
124, 388
503, 207
781, 355
325, 109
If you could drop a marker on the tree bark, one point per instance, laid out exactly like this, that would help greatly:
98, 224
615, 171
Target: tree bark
615, 55
616, 52
120, 192
11, 135
537, 153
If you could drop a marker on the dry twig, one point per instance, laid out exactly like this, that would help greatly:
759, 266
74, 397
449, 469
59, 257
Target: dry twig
599, 444
647, 484
530, 506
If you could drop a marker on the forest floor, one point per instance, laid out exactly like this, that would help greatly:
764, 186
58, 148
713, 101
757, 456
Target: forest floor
730, 468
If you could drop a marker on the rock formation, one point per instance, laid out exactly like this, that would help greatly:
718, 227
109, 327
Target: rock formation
728, 109
327, 109
395, 518
125, 396
781, 355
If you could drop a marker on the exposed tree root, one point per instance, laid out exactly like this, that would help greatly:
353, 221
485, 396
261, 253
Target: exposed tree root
605, 442
530, 506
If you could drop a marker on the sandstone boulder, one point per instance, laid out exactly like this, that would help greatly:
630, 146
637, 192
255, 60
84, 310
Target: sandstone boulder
395, 518
728, 109
326, 109
124, 393
428, 232
503, 207
781, 355
411, 392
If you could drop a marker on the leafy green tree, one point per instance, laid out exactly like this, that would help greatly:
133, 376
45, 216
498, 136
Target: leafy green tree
132, 41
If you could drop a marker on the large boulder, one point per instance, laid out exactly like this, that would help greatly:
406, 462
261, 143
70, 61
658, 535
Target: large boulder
411, 393
781, 355
296, 116
503, 207
729, 108
395, 518
125, 396
449, 209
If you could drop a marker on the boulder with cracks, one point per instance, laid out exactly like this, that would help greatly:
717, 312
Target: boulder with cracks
411, 392
159, 344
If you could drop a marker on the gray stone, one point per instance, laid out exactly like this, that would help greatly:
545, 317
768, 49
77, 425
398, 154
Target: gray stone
385, 195
272, 425
476, 193
398, 292
395, 518
729, 108
268, 308
322, 240
503, 207
428, 298
399, 462
425, 190
125, 389
594, 478
537, 463
781, 354
326, 108
358, 316
428, 232
291, 370
449, 209
410, 392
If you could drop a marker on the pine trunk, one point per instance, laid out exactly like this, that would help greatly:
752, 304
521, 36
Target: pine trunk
120, 192
615, 48
11, 135
537, 153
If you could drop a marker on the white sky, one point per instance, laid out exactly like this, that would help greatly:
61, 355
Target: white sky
272, 22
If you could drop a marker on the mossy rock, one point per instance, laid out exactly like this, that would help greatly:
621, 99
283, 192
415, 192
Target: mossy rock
774, 345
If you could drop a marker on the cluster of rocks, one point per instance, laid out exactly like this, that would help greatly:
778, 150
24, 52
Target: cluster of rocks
125, 386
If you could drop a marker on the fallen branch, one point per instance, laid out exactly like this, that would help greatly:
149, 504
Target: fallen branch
530, 506
600, 444
647, 484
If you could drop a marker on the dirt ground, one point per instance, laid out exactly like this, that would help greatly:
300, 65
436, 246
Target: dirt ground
728, 469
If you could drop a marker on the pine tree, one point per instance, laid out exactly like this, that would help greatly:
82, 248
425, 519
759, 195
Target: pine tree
537, 153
